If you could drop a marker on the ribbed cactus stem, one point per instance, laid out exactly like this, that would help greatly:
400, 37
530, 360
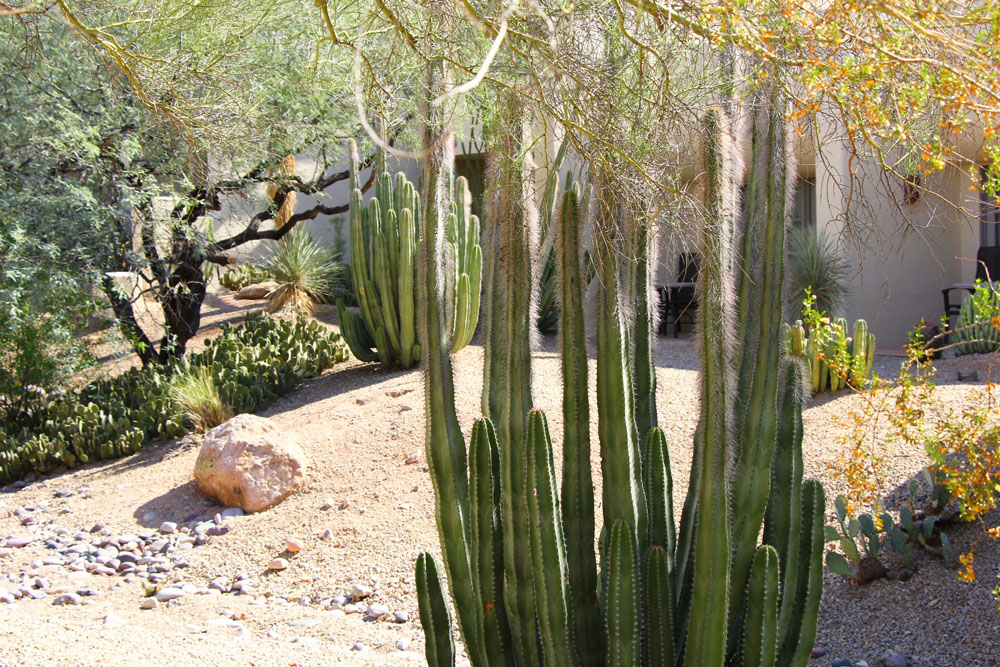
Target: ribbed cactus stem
760, 626
439, 647
642, 330
487, 539
624, 621
550, 576
800, 634
511, 238
621, 462
783, 516
761, 279
445, 445
577, 480
705, 644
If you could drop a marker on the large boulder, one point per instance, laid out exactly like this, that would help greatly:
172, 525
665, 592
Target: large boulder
258, 291
247, 463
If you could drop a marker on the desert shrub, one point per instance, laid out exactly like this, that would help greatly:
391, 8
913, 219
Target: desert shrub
243, 275
962, 443
194, 392
250, 366
304, 270
814, 265
976, 329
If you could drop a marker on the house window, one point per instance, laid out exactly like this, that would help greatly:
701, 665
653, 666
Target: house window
989, 217
804, 206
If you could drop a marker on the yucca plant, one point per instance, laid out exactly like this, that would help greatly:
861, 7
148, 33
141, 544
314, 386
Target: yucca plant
519, 554
196, 396
303, 270
815, 266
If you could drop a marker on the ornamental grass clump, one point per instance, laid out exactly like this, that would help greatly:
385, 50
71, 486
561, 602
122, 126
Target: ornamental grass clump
195, 394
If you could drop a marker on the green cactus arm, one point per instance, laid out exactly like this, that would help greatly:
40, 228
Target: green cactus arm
445, 445
353, 331
577, 480
800, 635
658, 606
705, 645
624, 634
642, 330
659, 495
511, 237
621, 464
463, 304
755, 420
550, 576
760, 623
407, 316
487, 538
383, 277
783, 518
439, 647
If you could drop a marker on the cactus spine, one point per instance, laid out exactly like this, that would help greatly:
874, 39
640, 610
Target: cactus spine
671, 596
383, 250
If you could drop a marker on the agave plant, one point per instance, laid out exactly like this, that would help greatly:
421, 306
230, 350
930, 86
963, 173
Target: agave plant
813, 264
303, 270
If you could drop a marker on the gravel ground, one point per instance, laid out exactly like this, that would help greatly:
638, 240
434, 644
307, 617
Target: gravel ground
362, 429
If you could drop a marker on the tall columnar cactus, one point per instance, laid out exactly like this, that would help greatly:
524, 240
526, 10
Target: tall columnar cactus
511, 238
384, 238
703, 594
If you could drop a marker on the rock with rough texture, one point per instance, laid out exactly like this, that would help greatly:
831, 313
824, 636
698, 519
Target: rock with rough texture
258, 291
277, 564
247, 463
67, 598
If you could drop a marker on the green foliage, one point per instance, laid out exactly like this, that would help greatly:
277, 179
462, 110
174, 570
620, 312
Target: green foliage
243, 275
383, 251
815, 267
304, 271
834, 360
976, 331
249, 366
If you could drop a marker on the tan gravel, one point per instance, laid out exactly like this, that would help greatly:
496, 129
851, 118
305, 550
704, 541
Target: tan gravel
360, 425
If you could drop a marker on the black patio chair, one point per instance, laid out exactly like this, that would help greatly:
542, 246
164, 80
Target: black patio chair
987, 268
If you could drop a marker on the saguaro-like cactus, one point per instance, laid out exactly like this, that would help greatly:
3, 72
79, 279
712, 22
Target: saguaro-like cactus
384, 238
702, 595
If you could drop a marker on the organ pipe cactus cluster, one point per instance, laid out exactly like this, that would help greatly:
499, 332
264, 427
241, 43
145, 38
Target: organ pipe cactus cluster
384, 237
833, 360
519, 556
975, 331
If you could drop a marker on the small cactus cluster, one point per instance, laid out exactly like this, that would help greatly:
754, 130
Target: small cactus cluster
975, 331
518, 546
251, 364
833, 360
384, 237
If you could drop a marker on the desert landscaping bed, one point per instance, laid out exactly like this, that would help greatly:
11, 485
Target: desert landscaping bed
363, 516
